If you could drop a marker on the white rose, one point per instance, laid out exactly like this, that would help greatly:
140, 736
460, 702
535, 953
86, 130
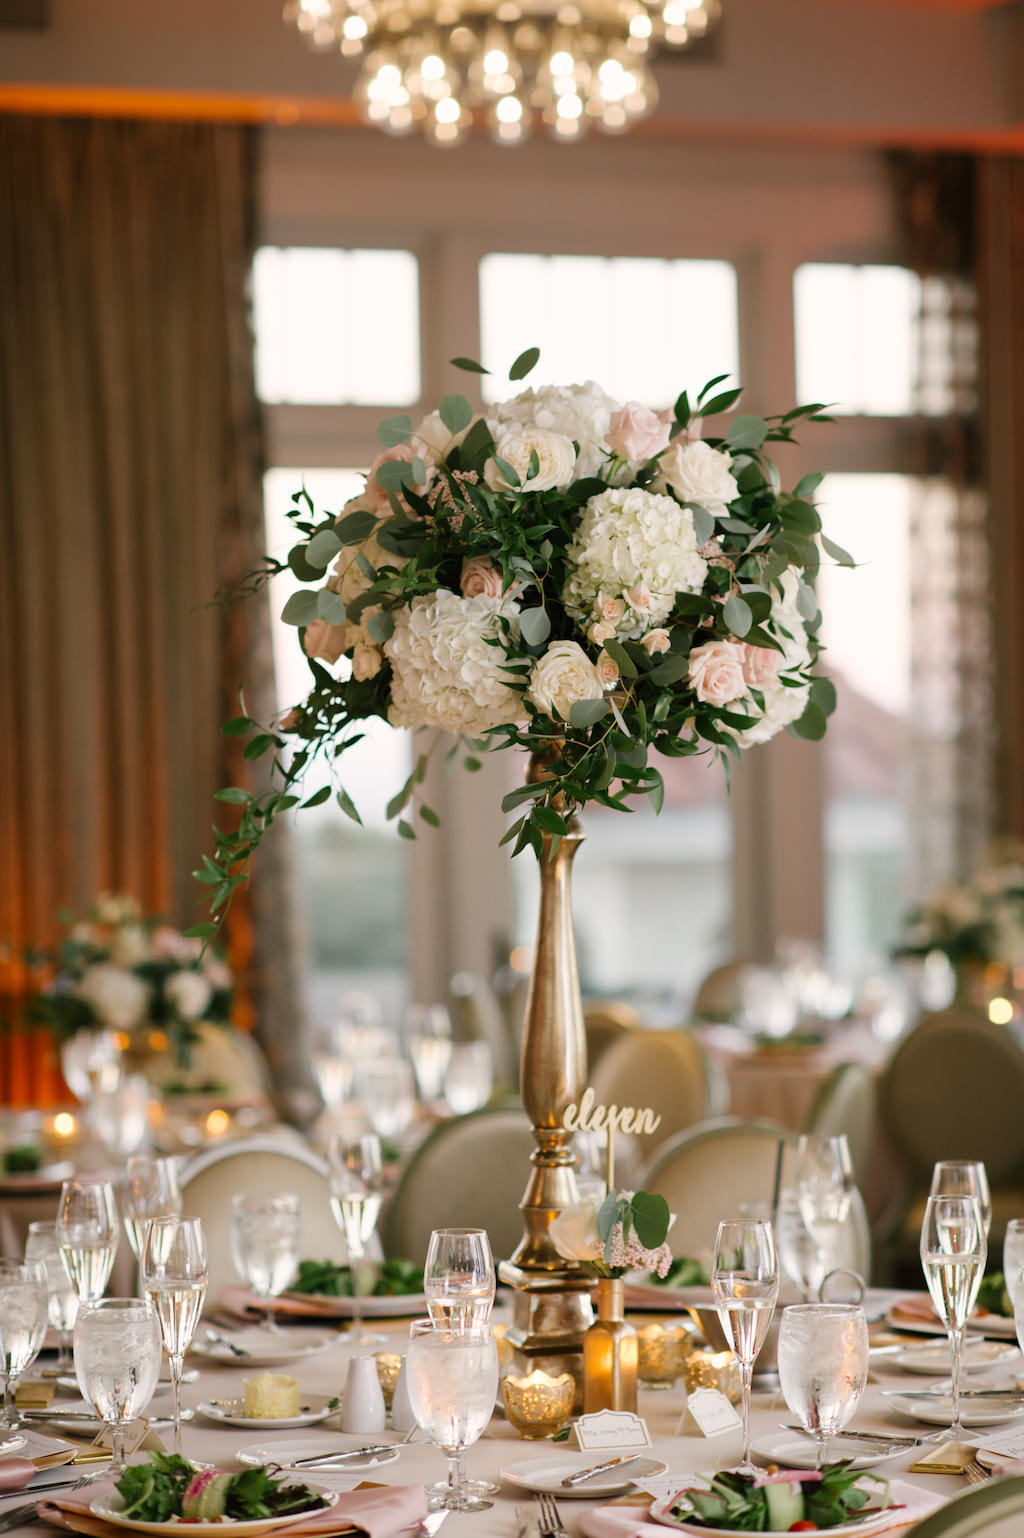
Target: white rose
556, 460
366, 660
434, 437
188, 994
574, 1232
118, 998
782, 704
698, 473
130, 945
582, 413
561, 677
447, 671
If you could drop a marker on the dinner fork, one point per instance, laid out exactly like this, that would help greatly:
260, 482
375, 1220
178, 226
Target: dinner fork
549, 1522
976, 1473
21, 1516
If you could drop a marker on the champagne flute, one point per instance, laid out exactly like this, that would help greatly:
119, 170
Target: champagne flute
265, 1244
173, 1270
823, 1366
458, 1278
41, 1244
24, 1311
117, 1363
824, 1189
964, 1177
745, 1285
87, 1232
953, 1251
386, 1089
150, 1190
453, 1382
428, 1029
356, 1196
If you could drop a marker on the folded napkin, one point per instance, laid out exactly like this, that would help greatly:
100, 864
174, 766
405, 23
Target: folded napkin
912, 1503
949, 1458
380, 1512
15, 1473
917, 1309
242, 1304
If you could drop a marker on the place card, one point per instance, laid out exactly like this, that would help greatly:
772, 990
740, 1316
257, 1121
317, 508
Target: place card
611, 1430
1009, 1443
136, 1434
707, 1412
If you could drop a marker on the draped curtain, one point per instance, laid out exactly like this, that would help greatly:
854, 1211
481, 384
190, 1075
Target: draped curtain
130, 495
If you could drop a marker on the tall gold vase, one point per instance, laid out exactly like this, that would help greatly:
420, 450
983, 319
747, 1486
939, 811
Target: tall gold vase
552, 1295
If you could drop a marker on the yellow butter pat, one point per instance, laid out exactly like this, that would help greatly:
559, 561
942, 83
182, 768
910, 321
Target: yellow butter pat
272, 1396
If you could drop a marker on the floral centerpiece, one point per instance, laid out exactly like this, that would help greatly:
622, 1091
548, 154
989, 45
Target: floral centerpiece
977, 923
119, 971
623, 1231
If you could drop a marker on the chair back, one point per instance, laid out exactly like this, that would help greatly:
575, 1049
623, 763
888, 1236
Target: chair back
954, 1090
665, 1070
605, 1022
268, 1165
995, 1510
470, 1172
847, 1102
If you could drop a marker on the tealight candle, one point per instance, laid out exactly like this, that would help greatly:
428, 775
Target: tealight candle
713, 1369
662, 1352
538, 1404
389, 1365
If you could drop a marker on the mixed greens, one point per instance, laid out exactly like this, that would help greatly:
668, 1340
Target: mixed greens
683, 1272
23, 1159
785, 1500
993, 1297
396, 1278
168, 1488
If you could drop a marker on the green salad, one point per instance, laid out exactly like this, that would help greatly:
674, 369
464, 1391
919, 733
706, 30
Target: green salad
783, 1501
993, 1297
683, 1272
396, 1278
169, 1488
24, 1159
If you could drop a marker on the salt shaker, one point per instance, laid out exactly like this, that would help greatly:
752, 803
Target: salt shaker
362, 1409
402, 1418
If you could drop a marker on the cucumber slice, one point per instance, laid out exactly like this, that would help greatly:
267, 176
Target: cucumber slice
785, 1506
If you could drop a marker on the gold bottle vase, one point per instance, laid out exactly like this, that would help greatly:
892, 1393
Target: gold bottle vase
610, 1353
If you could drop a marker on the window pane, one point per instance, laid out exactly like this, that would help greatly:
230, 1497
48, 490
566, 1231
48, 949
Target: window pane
857, 337
336, 327
351, 881
643, 328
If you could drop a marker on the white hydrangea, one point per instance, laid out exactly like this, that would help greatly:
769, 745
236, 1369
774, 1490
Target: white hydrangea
634, 548
447, 671
580, 412
781, 704
118, 998
188, 994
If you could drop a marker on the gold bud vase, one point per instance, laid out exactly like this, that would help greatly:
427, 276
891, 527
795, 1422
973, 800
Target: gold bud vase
610, 1353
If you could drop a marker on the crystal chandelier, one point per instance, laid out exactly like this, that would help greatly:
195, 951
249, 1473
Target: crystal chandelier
435, 65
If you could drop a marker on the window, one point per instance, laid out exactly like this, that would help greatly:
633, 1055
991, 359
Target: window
857, 337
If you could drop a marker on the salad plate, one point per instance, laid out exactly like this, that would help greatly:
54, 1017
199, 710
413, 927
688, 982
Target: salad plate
261, 1348
389, 1306
937, 1410
231, 1412
287, 1454
111, 1509
996, 1326
543, 1476
933, 1361
661, 1511
792, 1451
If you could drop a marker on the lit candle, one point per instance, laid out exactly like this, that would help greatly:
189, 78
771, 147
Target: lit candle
538, 1404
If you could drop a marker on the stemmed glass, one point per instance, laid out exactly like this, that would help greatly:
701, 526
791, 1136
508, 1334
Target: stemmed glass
386, 1090
23, 1320
88, 1233
469, 1077
356, 1196
1013, 1256
458, 1278
453, 1382
823, 1366
41, 1244
824, 1190
745, 1285
964, 1177
428, 1034
265, 1244
799, 1256
117, 1363
953, 1251
150, 1190
173, 1270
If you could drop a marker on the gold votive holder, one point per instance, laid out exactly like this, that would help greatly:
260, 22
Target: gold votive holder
662, 1351
389, 1365
538, 1405
713, 1369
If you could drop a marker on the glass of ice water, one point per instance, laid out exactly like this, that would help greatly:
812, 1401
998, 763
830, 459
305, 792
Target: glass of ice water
41, 1244
117, 1363
458, 1278
24, 1312
265, 1244
88, 1232
386, 1090
1013, 1257
823, 1366
453, 1383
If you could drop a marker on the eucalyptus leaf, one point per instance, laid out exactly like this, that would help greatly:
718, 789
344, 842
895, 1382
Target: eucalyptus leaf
395, 474
650, 1218
329, 606
746, 432
456, 413
620, 656
737, 615
806, 601
381, 627
534, 626
355, 527
524, 363
703, 522
468, 365
586, 712
395, 430
323, 547
812, 724
843, 557
300, 608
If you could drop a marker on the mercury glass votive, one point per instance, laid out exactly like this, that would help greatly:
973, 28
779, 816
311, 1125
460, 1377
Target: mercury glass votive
662, 1352
538, 1405
389, 1365
713, 1369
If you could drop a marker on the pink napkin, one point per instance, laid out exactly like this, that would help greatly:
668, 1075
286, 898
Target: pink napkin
917, 1308
243, 1304
15, 1473
628, 1521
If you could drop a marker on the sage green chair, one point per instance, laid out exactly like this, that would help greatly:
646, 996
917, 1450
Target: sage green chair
994, 1510
666, 1071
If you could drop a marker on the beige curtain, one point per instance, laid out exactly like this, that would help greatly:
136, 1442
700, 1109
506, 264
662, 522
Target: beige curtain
129, 495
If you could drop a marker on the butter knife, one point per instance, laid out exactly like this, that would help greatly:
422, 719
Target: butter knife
598, 1468
322, 1459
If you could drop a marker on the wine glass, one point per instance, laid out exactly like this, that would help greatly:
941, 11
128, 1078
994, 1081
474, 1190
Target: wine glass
824, 1189
1013, 1257
331, 1064
356, 1196
823, 1366
41, 1244
458, 1278
91, 1063
387, 1092
120, 1116
745, 1285
150, 1190
953, 1251
24, 1311
173, 1270
117, 1363
469, 1077
88, 1232
428, 1034
265, 1244
964, 1177
453, 1382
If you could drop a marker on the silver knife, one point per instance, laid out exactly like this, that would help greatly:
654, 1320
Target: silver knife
879, 1438
1007, 1395
353, 1452
598, 1468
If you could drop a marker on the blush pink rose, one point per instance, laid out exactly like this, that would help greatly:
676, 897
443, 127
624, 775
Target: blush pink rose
607, 670
639, 597
716, 672
600, 632
610, 608
761, 666
655, 641
323, 641
636, 433
480, 578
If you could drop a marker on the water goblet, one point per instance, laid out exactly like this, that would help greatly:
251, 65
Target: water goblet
41, 1244
458, 1278
173, 1270
824, 1189
88, 1233
823, 1366
1013, 1257
117, 1363
24, 1311
428, 1035
799, 1256
150, 1190
964, 1177
120, 1117
469, 1077
265, 1244
953, 1251
453, 1382
387, 1092
745, 1285
356, 1196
